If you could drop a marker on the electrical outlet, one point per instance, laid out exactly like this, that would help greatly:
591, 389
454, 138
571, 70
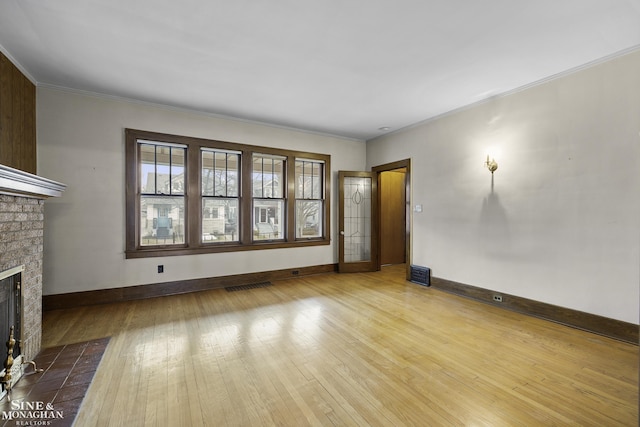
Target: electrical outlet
161, 269
497, 298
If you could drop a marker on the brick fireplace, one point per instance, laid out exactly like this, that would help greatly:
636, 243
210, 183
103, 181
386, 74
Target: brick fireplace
22, 198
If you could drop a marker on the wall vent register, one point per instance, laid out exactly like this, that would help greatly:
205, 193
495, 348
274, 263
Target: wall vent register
421, 275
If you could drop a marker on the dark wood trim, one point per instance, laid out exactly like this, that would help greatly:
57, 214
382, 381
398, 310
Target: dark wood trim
246, 205
193, 244
193, 205
290, 194
406, 164
612, 328
132, 203
231, 247
106, 296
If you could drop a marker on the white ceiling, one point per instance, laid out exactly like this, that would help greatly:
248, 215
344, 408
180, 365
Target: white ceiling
342, 67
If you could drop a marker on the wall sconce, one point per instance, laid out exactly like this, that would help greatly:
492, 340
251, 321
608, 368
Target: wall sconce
491, 165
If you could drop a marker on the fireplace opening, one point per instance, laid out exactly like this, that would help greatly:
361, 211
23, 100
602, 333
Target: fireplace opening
10, 321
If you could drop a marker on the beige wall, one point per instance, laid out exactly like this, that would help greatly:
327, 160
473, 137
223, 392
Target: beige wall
81, 143
561, 223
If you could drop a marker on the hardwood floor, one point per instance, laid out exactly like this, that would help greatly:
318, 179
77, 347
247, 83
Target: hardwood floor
356, 349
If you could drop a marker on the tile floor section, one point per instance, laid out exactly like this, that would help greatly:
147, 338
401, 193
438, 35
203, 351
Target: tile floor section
68, 372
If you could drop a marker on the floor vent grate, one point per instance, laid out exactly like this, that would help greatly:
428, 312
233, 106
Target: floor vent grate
421, 275
247, 287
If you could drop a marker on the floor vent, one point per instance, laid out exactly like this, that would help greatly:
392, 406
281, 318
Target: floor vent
421, 275
247, 287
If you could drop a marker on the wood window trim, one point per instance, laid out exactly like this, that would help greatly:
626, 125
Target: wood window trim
193, 209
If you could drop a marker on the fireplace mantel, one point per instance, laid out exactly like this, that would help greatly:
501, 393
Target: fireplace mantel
15, 182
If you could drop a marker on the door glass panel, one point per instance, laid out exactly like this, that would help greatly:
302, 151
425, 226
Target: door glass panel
357, 219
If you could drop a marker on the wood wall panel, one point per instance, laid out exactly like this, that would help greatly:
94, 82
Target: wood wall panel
17, 118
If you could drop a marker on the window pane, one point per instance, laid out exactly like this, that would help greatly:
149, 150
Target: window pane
163, 170
308, 180
220, 172
268, 219
177, 170
257, 177
147, 168
316, 181
161, 220
220, 220
308, 219
208, 173
268, 176
300, 179
276, 177
231, 178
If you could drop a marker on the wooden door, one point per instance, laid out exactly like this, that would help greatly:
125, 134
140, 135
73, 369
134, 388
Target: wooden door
392, 217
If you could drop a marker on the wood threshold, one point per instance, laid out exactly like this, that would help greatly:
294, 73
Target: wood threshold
611, 328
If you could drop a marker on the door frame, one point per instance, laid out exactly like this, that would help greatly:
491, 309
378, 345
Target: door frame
377, 170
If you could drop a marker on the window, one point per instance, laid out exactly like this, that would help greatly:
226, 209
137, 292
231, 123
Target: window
162, 199
268, 197
220, 195
190, 195
309, 198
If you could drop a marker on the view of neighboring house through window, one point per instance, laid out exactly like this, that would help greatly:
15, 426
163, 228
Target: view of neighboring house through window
309, 181
268, 196
162, 202
220, 195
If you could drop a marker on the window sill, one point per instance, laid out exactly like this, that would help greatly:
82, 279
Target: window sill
211, 248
